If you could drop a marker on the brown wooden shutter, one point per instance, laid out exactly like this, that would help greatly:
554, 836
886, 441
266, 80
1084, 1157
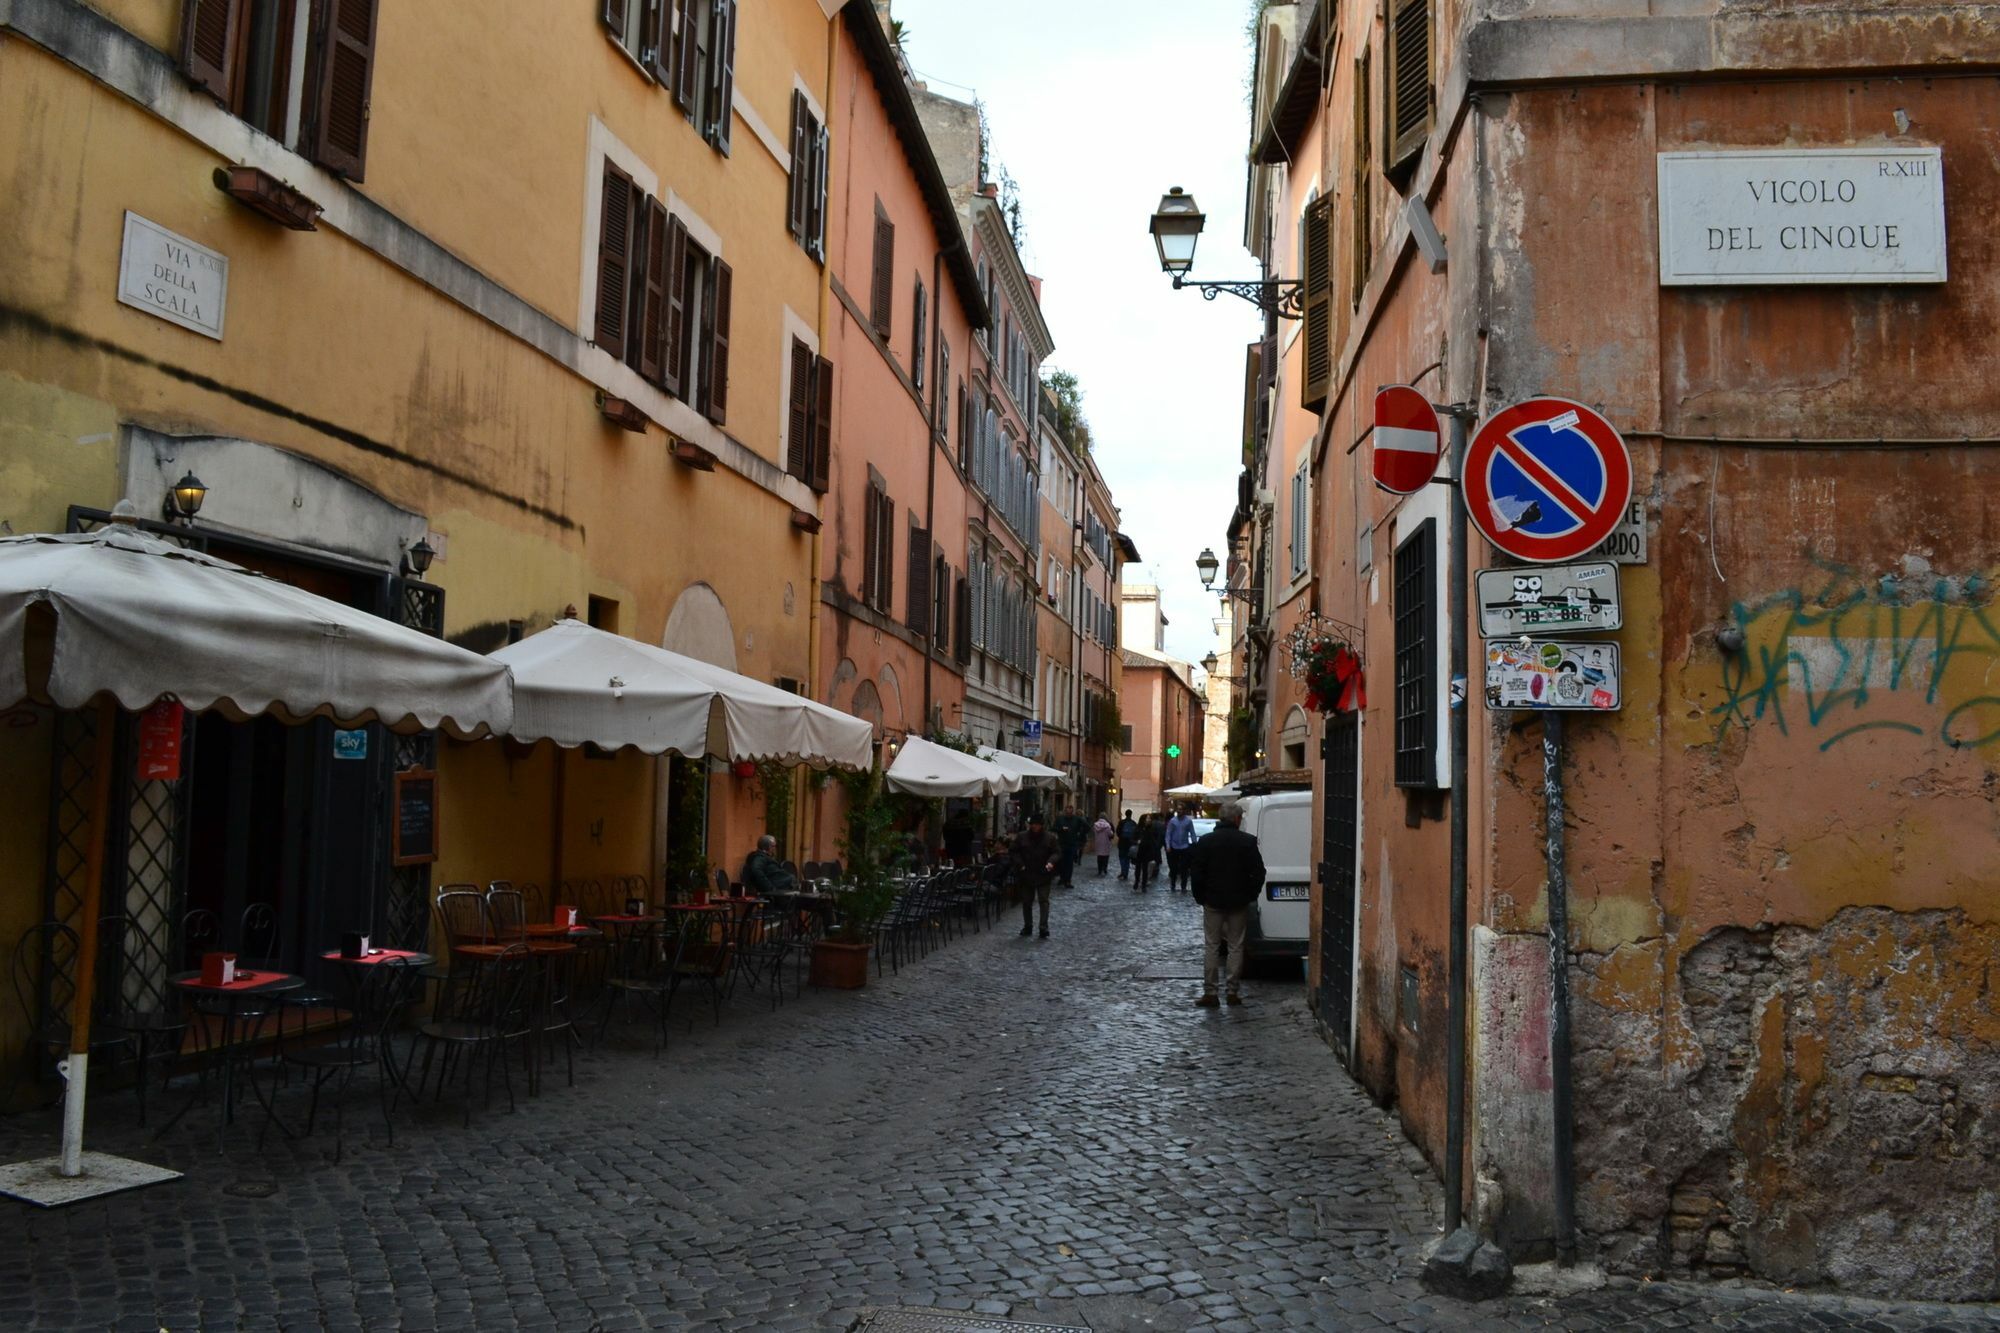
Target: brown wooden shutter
673, 341
208, 44
613, 17
919, 557
885, 527
795, 217
656, 41
347, 71
919, 334
962, 613
1316, 238
720, 283
1406, 120
799, 419
652, 328
687, 55
1361, 244
816, 196
941, 391
722, 75
882, 293
614, 258
822, 458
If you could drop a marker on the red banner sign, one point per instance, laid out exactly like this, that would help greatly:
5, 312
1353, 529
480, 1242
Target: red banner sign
160, 729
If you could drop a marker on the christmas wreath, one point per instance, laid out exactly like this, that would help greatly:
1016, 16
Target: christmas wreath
1328, 665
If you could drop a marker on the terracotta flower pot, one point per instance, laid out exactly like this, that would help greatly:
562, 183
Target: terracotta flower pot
839, 965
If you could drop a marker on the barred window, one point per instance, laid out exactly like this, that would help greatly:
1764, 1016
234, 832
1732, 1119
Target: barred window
1416, 658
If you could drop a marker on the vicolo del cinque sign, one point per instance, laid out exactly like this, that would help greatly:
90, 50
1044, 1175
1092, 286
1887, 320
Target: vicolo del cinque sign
1829, 215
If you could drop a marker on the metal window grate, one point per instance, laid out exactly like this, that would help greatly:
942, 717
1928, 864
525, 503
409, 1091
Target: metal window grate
1416, 658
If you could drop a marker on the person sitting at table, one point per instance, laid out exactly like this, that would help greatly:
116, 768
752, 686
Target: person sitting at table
764, 875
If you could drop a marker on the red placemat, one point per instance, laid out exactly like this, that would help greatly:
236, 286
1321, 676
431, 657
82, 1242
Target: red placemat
244, 981
623, 919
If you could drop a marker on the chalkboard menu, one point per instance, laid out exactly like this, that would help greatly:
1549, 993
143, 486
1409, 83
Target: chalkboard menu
415, 831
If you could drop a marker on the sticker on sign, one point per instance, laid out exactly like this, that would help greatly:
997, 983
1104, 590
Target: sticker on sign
1566, 674
1549, 599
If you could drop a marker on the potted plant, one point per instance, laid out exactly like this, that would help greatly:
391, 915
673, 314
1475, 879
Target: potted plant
1328, 664
861, 901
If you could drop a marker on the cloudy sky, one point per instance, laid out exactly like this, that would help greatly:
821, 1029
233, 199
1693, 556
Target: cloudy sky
1096, 109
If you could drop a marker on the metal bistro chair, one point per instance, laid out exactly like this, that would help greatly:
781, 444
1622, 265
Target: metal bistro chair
763, 941
722, 882
154, 1030
464, 915
384, 992
703, 957
480, 1009
641, 968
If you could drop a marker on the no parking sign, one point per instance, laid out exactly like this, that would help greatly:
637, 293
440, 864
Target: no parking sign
1547, 479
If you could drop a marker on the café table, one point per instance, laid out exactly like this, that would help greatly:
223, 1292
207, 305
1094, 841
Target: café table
233, 1046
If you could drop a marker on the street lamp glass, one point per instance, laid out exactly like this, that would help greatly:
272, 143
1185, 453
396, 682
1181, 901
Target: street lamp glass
188, 493
1208, 664
1176, 227
1206, 564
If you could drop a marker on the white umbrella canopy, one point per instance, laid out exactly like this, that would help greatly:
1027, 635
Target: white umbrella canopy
1031, 773
575, 684
928, 769
1191, 789
138, 618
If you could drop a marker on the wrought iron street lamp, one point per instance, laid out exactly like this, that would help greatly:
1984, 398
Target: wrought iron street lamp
1208, 567
1177, 225
184, 498
419, 557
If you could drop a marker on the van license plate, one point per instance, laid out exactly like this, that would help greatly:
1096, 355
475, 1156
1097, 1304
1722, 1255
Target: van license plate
1298, 893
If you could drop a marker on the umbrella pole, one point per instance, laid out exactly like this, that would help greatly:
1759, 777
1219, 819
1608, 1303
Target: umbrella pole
77, 1068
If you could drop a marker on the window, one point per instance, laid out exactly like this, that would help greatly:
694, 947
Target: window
663, 302
602, 613
917, 614
962, 613
940, 598
809, 418
251, 56
941, 403
882, 291
1361, 245
917, 335
1406, 117
806, 219
1416, 658
635, 25
878, 547
1301, 533
1316, 267
1125, 737
704, 71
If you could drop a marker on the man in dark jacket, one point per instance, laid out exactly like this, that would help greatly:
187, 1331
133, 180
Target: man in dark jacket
1226, 872
1033, 859
1070, 832
764, 875
1128, 841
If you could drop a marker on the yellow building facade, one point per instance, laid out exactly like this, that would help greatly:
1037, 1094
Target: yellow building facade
519, 289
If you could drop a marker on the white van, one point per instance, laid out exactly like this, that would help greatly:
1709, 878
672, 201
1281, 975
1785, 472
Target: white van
1281, 927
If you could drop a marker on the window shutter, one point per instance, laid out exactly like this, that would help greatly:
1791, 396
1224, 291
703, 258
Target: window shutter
614, 258
882, 296
656, 40
653, 311
1316, 236
347, 70
962, 613
917, 335
822, 457
886, 526
673, 342
869, 561
802, 168
941, 402
940, 597
917, 614
816, 198
208, 44
613, 17
1406, 121
1361, 245
722, 75
687, 55
720, 283
799, 417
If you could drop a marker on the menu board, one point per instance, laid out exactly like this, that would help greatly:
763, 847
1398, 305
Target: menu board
415, 830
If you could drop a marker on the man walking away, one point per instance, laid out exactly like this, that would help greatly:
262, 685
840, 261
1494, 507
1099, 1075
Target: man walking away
1033, 859
1180, 842
1128, 836
1152, 836
1070, 832
1226, 872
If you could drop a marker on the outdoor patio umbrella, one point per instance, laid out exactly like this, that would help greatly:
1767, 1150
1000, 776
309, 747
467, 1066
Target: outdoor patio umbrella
1191, 789
120, 618
928, 769
574, 684
1031, 773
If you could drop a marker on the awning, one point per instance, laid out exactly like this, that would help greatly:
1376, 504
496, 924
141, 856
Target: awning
927, 769
1194, 789
1031, 773
576, 685
123, 613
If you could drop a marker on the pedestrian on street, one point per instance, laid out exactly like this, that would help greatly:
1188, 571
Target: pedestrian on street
1033, 859
1102, 836
1226, 873
1071, 830
1180, 843
1128, 836
1152, 837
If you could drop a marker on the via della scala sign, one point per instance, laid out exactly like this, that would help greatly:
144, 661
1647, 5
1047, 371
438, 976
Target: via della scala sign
164, 273
1801, 215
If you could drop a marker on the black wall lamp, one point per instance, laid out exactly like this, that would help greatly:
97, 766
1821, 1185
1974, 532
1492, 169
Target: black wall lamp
184, 498
417, 560
1177, 225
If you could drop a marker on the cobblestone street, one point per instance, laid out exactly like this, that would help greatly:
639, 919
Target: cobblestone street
1042, 1131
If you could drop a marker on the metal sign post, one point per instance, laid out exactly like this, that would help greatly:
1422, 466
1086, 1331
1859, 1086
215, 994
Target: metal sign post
1563, 1172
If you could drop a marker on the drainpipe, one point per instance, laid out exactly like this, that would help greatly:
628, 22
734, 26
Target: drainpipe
801, 819
940, 402
1454, 1149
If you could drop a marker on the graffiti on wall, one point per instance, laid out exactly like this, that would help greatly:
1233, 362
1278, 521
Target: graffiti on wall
1852, 654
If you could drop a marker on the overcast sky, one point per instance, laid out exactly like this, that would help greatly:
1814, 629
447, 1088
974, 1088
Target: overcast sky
1096, 109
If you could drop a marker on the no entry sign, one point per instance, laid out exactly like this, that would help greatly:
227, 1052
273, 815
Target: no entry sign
1546, 480
1407, 440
